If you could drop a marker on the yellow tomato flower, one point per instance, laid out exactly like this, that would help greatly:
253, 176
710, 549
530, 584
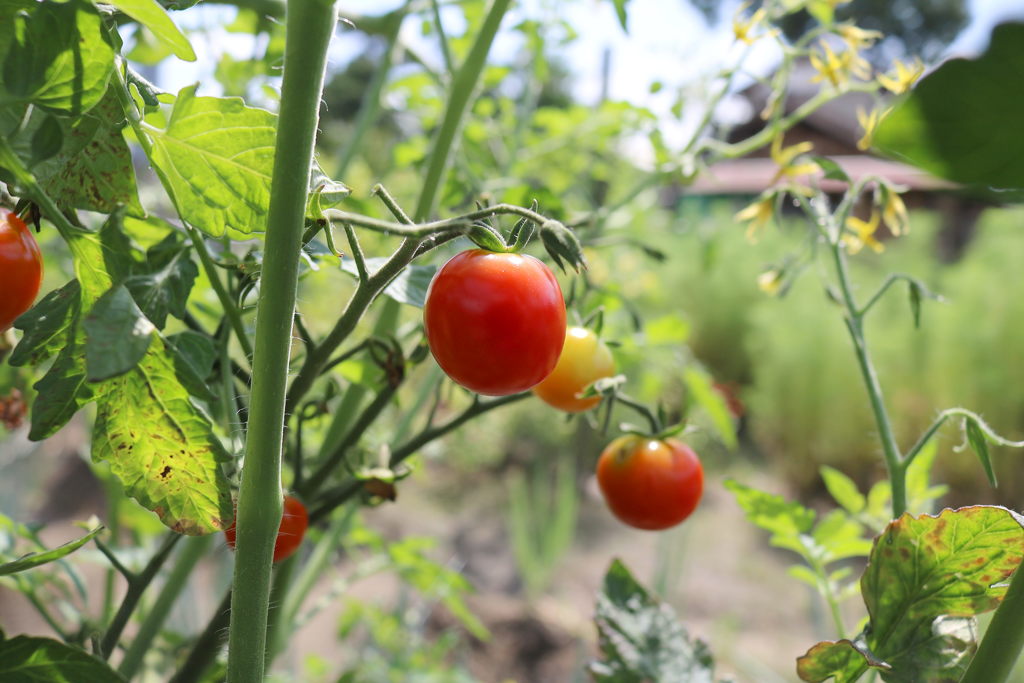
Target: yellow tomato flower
757, 215
856, 37
894, 212
863, 233
770, 281
836, 68
744, 27
904, 76
869, 122
786, 158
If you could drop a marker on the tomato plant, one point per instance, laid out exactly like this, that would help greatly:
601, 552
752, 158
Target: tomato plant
290, 533
650, 483
21, 268
495, 322
584, 360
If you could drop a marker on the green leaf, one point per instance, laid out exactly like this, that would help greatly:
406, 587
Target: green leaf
26, 659
822, 10
845, 660
162, 448
840, 537
976, 437
771, 512
410, 287
914, 292
63, 389
193, 355
620, 12
669, 329
699, 385
94, 169
36, 559
121, 255
832, 170
217, 156
946, 124
47, 140
150, 14
59, 57
45, 325
843, 490
641, 639
166, 287
324, 193
117, 335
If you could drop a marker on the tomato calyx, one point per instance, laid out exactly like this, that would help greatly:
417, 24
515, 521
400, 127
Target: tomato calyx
561, 243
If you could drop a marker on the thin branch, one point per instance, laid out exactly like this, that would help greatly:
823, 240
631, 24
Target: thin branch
357, 252
128, 574
136, 587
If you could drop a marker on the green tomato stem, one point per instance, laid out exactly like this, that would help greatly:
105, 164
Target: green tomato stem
309, 27
855, 326
463, 85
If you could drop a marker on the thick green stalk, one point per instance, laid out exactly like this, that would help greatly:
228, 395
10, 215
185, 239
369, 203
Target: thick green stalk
310, 25
458, 100
855, 326
283, 572
185, 562
1004, 639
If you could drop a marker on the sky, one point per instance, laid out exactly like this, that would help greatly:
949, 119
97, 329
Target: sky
668, 41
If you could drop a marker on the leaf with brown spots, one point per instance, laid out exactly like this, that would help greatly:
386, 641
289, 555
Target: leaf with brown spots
926, 580
162, 447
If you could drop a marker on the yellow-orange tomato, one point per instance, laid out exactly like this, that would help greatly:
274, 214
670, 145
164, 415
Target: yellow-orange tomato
584, 359
649, 483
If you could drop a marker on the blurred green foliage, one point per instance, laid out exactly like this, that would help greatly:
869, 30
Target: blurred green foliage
802, 387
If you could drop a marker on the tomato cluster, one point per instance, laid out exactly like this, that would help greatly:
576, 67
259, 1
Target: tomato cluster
495, 323
21, 268
294, 520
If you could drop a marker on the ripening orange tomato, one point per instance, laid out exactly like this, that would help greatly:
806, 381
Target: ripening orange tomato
584, 360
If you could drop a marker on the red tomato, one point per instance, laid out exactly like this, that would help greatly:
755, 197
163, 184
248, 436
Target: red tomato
495, 322
294, 521
584, 359
650, 484
21, 268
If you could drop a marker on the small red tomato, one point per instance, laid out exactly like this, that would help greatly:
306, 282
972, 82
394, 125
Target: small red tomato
495, 322
294, 521
584, 360
21, 268
649, 483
